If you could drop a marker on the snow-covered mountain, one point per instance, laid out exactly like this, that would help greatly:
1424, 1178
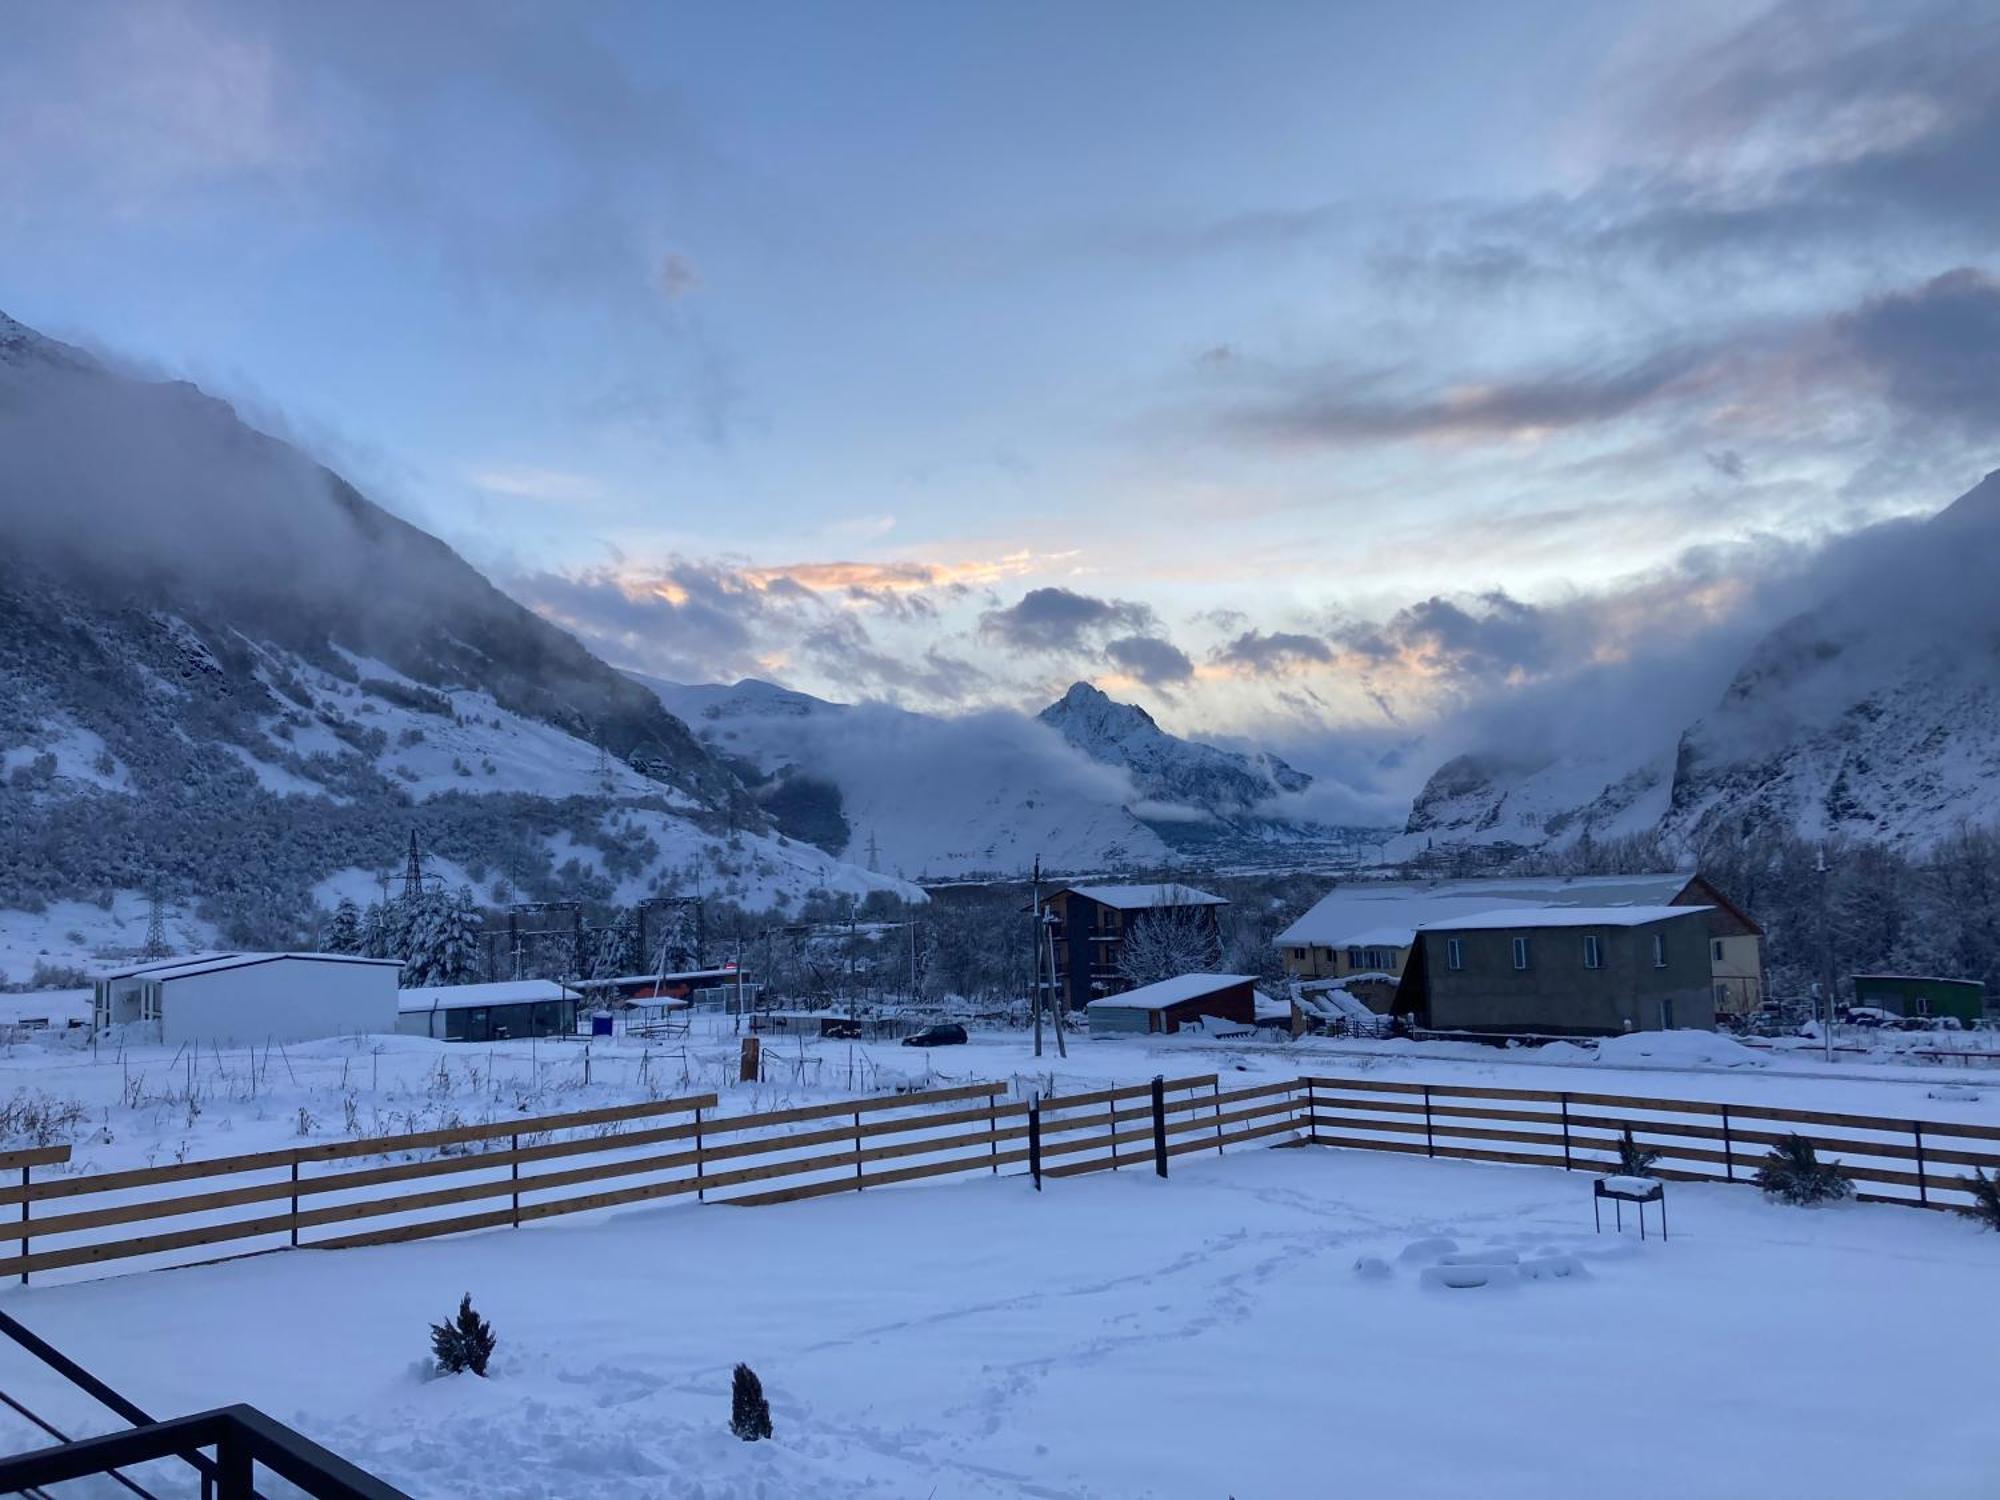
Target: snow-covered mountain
1166, 769
1875, 714
225, 672
1089, 784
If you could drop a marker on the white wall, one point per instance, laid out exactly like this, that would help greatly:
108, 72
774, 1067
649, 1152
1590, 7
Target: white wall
282, 1000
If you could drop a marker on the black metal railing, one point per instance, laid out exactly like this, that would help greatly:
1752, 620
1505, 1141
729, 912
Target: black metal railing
243, 1440
242, 1437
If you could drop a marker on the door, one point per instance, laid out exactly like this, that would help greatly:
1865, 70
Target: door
1667, 1014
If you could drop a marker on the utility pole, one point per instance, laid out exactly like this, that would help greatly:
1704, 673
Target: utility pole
1035, 995
1822, 870
1056, 1005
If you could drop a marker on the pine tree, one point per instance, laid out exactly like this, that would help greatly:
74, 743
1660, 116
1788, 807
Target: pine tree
1793, 1173
375, 931
749, 1412
343, 933
1634, 1160
465, 1343
459, 928
1985, 1205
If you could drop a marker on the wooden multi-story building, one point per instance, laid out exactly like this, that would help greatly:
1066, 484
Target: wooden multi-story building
1092, 924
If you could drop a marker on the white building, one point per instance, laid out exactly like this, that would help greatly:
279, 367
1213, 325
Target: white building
253, 997
487, 1012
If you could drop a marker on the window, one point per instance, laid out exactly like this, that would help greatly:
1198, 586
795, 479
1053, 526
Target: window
1666, 1015
1354, 958
1716, 946
1593, 952
1454, 953
1520, 953
1659, 950
1375, 959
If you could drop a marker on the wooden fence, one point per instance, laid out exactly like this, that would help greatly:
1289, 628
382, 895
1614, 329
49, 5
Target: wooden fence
1919, 1163
408, 1187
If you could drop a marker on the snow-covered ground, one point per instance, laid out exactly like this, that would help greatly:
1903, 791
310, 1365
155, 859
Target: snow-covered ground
1113, 1336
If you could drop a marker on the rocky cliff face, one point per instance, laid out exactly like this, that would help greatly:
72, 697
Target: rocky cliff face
1165, 768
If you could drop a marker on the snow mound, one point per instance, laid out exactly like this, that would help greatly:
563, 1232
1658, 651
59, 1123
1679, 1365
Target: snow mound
1563, 1052
1469, 1278
1677, 1049
1427, 1250
1373, 1268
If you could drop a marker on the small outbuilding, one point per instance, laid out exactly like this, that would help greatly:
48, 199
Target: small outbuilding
499, 1012
1922, 995
252, 997
1170, 1004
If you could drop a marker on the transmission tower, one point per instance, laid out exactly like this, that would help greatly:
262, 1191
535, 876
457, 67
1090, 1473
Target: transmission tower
413, 872
156, 924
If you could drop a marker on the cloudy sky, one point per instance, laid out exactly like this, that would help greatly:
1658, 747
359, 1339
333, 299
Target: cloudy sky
1354, 376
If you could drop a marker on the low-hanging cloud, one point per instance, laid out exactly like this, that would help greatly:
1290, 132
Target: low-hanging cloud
1266, 654
1057, 620
1152, 660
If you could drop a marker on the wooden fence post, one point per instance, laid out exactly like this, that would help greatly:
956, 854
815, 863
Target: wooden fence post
1312, 1114
1160, 1123
1923, 1185
513, 1176
1111, 1118
24, 1222
1430, 1145
1035, 1141
993, 1131
700, 1189
1728, 1149
1218, 1115
1566, 1156
859, 1147
295, 1203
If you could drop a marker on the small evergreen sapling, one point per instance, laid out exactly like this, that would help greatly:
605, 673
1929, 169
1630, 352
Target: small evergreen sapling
465, 1343
749, 1412
1793, 1173
1985, 1205
1634, 1160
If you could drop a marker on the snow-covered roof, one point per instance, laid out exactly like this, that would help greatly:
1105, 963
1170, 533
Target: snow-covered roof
56, 1007
467, 996
184, 968
1176, 991
1511, 918
685, 976
1386, 914
1145, 897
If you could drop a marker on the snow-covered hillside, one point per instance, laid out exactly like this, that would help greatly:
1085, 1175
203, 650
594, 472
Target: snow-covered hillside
1875, 715
228, 676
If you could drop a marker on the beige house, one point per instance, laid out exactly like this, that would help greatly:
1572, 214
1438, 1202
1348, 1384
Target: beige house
1366, 927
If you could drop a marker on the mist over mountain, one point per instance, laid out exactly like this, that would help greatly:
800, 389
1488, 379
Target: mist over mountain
1871, 713
1088, 784
227, 674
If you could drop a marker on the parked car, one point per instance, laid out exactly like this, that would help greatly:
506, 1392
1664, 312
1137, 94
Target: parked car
950, 1034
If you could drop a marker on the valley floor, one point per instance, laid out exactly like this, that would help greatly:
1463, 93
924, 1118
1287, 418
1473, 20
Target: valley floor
1114, 1336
